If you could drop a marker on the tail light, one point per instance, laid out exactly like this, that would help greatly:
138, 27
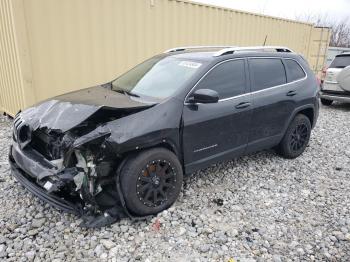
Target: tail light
319, 81
324, 72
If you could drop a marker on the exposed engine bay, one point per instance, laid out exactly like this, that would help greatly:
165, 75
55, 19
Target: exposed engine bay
70, 151
82, 171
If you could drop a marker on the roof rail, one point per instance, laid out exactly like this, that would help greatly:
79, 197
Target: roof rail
231, 50
183, 48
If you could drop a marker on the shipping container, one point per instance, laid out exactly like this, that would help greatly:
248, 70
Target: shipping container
49, 47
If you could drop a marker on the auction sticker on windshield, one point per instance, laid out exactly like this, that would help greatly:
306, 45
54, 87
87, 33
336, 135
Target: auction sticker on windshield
190, 64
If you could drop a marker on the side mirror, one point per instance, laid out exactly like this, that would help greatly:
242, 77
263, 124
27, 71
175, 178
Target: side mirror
204, 96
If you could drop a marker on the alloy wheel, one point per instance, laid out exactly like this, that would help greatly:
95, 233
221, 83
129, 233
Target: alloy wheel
299, 137
156, 183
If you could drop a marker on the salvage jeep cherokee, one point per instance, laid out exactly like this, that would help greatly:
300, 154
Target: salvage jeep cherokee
121, 149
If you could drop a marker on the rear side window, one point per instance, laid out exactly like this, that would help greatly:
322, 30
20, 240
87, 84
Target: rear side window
267, 72
228, 79
294, 70
340, 61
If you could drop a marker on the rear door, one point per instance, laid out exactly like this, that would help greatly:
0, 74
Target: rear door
273, 101
218, 131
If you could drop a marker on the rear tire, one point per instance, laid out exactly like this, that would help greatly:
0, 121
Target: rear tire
296, 137
326, 102
151, 181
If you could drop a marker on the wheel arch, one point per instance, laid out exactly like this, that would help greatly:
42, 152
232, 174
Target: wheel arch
307, 110
309, 113
165, 143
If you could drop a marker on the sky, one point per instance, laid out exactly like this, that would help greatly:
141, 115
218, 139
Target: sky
333, 9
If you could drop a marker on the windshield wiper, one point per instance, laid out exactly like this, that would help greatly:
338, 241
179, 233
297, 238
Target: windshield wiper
121, 91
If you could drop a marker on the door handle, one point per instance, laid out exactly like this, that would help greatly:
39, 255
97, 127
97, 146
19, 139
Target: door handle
292, 93
242, 105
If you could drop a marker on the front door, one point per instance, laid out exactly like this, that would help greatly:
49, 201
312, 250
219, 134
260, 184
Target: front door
218, 131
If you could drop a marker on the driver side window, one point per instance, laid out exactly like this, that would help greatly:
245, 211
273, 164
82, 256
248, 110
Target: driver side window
227, 78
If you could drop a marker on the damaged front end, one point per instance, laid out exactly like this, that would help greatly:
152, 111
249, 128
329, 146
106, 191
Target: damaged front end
75, 170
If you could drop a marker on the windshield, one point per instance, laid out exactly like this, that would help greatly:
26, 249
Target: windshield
157, 77
340, 61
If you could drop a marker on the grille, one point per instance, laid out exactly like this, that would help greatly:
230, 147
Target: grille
47, 144
21, 131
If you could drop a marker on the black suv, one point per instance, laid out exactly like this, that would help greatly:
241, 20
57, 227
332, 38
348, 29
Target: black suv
121, 149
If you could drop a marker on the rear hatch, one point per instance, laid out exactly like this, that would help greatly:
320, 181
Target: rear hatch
331, 79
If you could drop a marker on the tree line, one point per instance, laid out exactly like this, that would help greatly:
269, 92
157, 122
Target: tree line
340, 36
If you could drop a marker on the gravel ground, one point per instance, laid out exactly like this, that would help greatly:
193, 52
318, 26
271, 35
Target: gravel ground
255, 208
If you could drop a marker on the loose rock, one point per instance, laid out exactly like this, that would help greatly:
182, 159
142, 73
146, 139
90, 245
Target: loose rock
259, 207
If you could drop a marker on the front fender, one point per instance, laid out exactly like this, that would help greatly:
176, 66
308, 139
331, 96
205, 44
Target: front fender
148, 128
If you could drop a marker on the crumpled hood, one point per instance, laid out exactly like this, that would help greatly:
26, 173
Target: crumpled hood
69, 110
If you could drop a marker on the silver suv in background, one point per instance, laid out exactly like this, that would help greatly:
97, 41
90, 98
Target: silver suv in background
336, 85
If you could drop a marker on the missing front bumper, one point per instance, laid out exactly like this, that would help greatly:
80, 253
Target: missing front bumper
42, 194
21, 162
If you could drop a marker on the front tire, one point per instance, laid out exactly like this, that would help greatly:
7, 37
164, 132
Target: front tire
326, 102
296, 137
151, 181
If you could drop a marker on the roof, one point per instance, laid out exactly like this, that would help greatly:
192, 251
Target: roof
209, 53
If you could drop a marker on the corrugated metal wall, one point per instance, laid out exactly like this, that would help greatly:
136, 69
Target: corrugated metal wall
320, 37
72, 44
11, 95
